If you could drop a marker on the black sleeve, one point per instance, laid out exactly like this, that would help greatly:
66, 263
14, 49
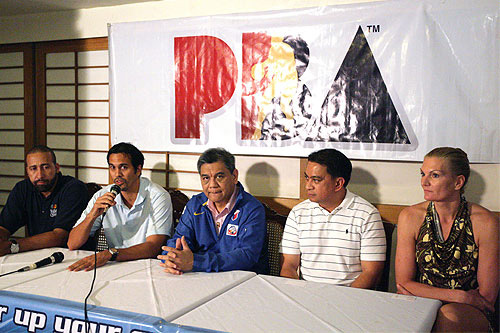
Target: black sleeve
71, 205
14, 215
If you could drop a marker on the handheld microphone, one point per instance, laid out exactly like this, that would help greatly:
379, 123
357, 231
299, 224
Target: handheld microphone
55, 258
115, 189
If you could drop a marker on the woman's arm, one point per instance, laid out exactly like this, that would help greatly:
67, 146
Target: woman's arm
485, 228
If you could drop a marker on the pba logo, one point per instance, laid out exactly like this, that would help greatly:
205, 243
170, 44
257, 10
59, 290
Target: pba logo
276, 105
232, 230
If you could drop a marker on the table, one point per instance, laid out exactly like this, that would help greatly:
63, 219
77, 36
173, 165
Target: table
138, 286
140, 292
268, 303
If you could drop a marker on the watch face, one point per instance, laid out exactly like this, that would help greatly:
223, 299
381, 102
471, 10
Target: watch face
114, 254
14, 247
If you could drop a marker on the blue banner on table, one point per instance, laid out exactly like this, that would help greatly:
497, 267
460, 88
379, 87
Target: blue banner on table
21, 312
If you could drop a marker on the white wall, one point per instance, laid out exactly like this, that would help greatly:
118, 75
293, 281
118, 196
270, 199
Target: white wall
378, 181
93, 22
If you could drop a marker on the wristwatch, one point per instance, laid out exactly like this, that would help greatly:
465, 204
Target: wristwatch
14, 246
114, 253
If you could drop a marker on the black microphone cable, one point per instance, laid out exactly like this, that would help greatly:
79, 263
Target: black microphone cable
115, 189
8, 273
87, 322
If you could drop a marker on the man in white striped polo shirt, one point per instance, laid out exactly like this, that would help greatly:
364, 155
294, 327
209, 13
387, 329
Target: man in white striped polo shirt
335, 236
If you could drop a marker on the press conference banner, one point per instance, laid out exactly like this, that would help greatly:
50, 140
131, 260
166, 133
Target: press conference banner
20, 312
382, 80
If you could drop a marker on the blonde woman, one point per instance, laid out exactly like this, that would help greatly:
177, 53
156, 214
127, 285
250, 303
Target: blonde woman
448, 248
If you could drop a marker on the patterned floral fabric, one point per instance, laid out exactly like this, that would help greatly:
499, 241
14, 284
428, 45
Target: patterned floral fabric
451, 263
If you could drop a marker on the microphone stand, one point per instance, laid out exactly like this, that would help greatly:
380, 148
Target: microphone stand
55, 258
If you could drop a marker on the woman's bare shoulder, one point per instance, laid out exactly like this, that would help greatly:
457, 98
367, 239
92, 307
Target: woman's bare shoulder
485, 226
415, 211
482, 216
414, 214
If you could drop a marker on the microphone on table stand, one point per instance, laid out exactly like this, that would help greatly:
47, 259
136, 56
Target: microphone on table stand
55, 258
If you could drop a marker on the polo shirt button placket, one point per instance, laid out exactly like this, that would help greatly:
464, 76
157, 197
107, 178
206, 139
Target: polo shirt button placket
332, 214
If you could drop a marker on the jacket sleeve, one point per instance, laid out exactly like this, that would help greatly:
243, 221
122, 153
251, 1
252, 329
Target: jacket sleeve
184, 228
244, 256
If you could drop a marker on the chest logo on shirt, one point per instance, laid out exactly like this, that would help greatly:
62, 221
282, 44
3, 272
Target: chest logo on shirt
53, 210
232, 230
236, 214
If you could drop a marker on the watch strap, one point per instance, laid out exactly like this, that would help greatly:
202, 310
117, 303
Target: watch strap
114, 254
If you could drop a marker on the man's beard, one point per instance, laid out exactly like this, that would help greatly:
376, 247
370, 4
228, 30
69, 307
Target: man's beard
46, 187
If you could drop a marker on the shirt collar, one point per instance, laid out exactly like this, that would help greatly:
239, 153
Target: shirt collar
346, 203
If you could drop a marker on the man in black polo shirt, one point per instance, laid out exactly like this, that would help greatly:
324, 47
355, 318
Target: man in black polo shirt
47, 203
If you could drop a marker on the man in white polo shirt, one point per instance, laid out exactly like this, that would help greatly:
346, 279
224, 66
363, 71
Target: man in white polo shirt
335, 236
136, 222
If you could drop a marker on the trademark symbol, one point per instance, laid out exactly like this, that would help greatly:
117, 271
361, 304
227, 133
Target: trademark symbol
373, 28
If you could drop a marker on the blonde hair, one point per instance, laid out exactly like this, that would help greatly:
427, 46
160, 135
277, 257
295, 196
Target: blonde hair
456, 159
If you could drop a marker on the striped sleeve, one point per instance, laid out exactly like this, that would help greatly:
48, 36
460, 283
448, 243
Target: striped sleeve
373, 244
290, 241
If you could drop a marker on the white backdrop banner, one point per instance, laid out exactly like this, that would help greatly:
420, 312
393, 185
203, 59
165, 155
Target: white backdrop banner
383, 80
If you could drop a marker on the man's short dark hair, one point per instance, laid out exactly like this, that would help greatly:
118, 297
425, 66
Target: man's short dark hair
337, 164
135, 155
42, 149
213, 155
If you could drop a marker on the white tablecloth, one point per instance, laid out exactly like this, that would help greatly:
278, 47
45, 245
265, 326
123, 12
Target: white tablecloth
138, 286
273, 304
235, 301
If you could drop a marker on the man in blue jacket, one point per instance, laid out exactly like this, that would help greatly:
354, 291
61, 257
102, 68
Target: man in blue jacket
221, 229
